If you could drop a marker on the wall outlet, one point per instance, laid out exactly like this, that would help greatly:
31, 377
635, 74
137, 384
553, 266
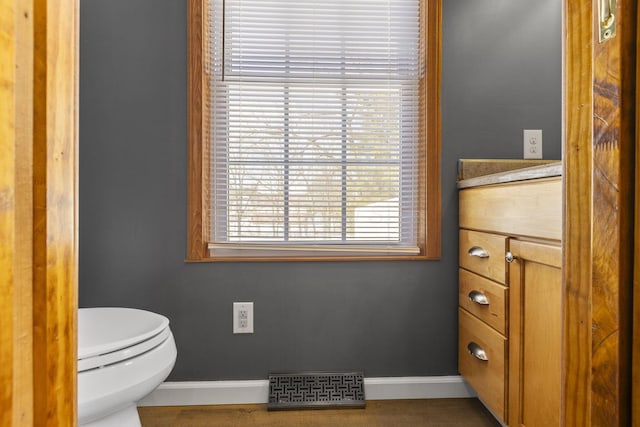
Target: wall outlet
242, 317
532, 143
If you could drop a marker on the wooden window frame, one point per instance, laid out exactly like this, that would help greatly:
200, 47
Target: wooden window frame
429, 215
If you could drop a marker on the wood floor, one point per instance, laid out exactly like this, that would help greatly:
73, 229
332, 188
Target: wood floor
378, 413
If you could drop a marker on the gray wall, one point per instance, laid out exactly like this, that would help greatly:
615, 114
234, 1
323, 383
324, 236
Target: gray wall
501, 73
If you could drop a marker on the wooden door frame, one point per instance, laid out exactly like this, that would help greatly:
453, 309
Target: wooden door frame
635, 351
55, 210
38, 211
598, 149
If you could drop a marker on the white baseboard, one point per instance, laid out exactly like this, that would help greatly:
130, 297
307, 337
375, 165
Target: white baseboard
257, 391
416, 388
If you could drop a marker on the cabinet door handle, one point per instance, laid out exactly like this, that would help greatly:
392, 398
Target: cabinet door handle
478, 297
509, 257
479, 252
476, 351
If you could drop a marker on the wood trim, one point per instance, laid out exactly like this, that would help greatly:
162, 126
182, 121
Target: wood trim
635, 351
599, 90
38, 211
196, 240
433, 131
313, 259
429, 223
23, 291
8, 254
578, 133
55, 246
612, 181
16, 225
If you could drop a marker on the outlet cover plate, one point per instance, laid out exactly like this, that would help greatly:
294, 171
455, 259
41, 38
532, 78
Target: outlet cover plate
242, 317
532, 143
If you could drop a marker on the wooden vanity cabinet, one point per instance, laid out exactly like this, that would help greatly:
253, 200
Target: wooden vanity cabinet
510, 299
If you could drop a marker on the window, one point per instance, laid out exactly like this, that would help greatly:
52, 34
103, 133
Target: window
314, 129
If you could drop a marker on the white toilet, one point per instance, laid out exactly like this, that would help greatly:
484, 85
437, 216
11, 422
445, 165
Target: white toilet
123, 355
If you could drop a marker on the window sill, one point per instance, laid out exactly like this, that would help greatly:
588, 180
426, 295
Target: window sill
269, 253
314, 258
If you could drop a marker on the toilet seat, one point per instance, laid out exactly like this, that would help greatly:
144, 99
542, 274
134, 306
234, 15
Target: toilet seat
109, 335
123, 354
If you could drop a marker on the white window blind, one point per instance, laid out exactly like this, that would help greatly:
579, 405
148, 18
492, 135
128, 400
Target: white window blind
314, 112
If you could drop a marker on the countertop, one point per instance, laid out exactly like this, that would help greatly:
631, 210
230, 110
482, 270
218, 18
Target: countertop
476, 172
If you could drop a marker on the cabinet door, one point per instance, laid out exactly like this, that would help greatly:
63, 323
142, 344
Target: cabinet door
535, 335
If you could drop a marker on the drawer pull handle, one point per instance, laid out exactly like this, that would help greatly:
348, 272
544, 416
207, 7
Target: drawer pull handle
479, 252
476, 351
478, 297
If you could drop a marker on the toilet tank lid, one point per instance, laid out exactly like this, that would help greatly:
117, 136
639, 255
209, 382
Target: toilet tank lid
102, 330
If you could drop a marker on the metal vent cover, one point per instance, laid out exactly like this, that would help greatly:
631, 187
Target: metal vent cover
316, 390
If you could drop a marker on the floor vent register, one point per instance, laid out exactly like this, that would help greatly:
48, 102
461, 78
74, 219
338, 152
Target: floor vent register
316, 390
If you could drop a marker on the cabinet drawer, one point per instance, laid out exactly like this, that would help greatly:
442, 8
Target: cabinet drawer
507, 208
483, 253
487, 377
484, 299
